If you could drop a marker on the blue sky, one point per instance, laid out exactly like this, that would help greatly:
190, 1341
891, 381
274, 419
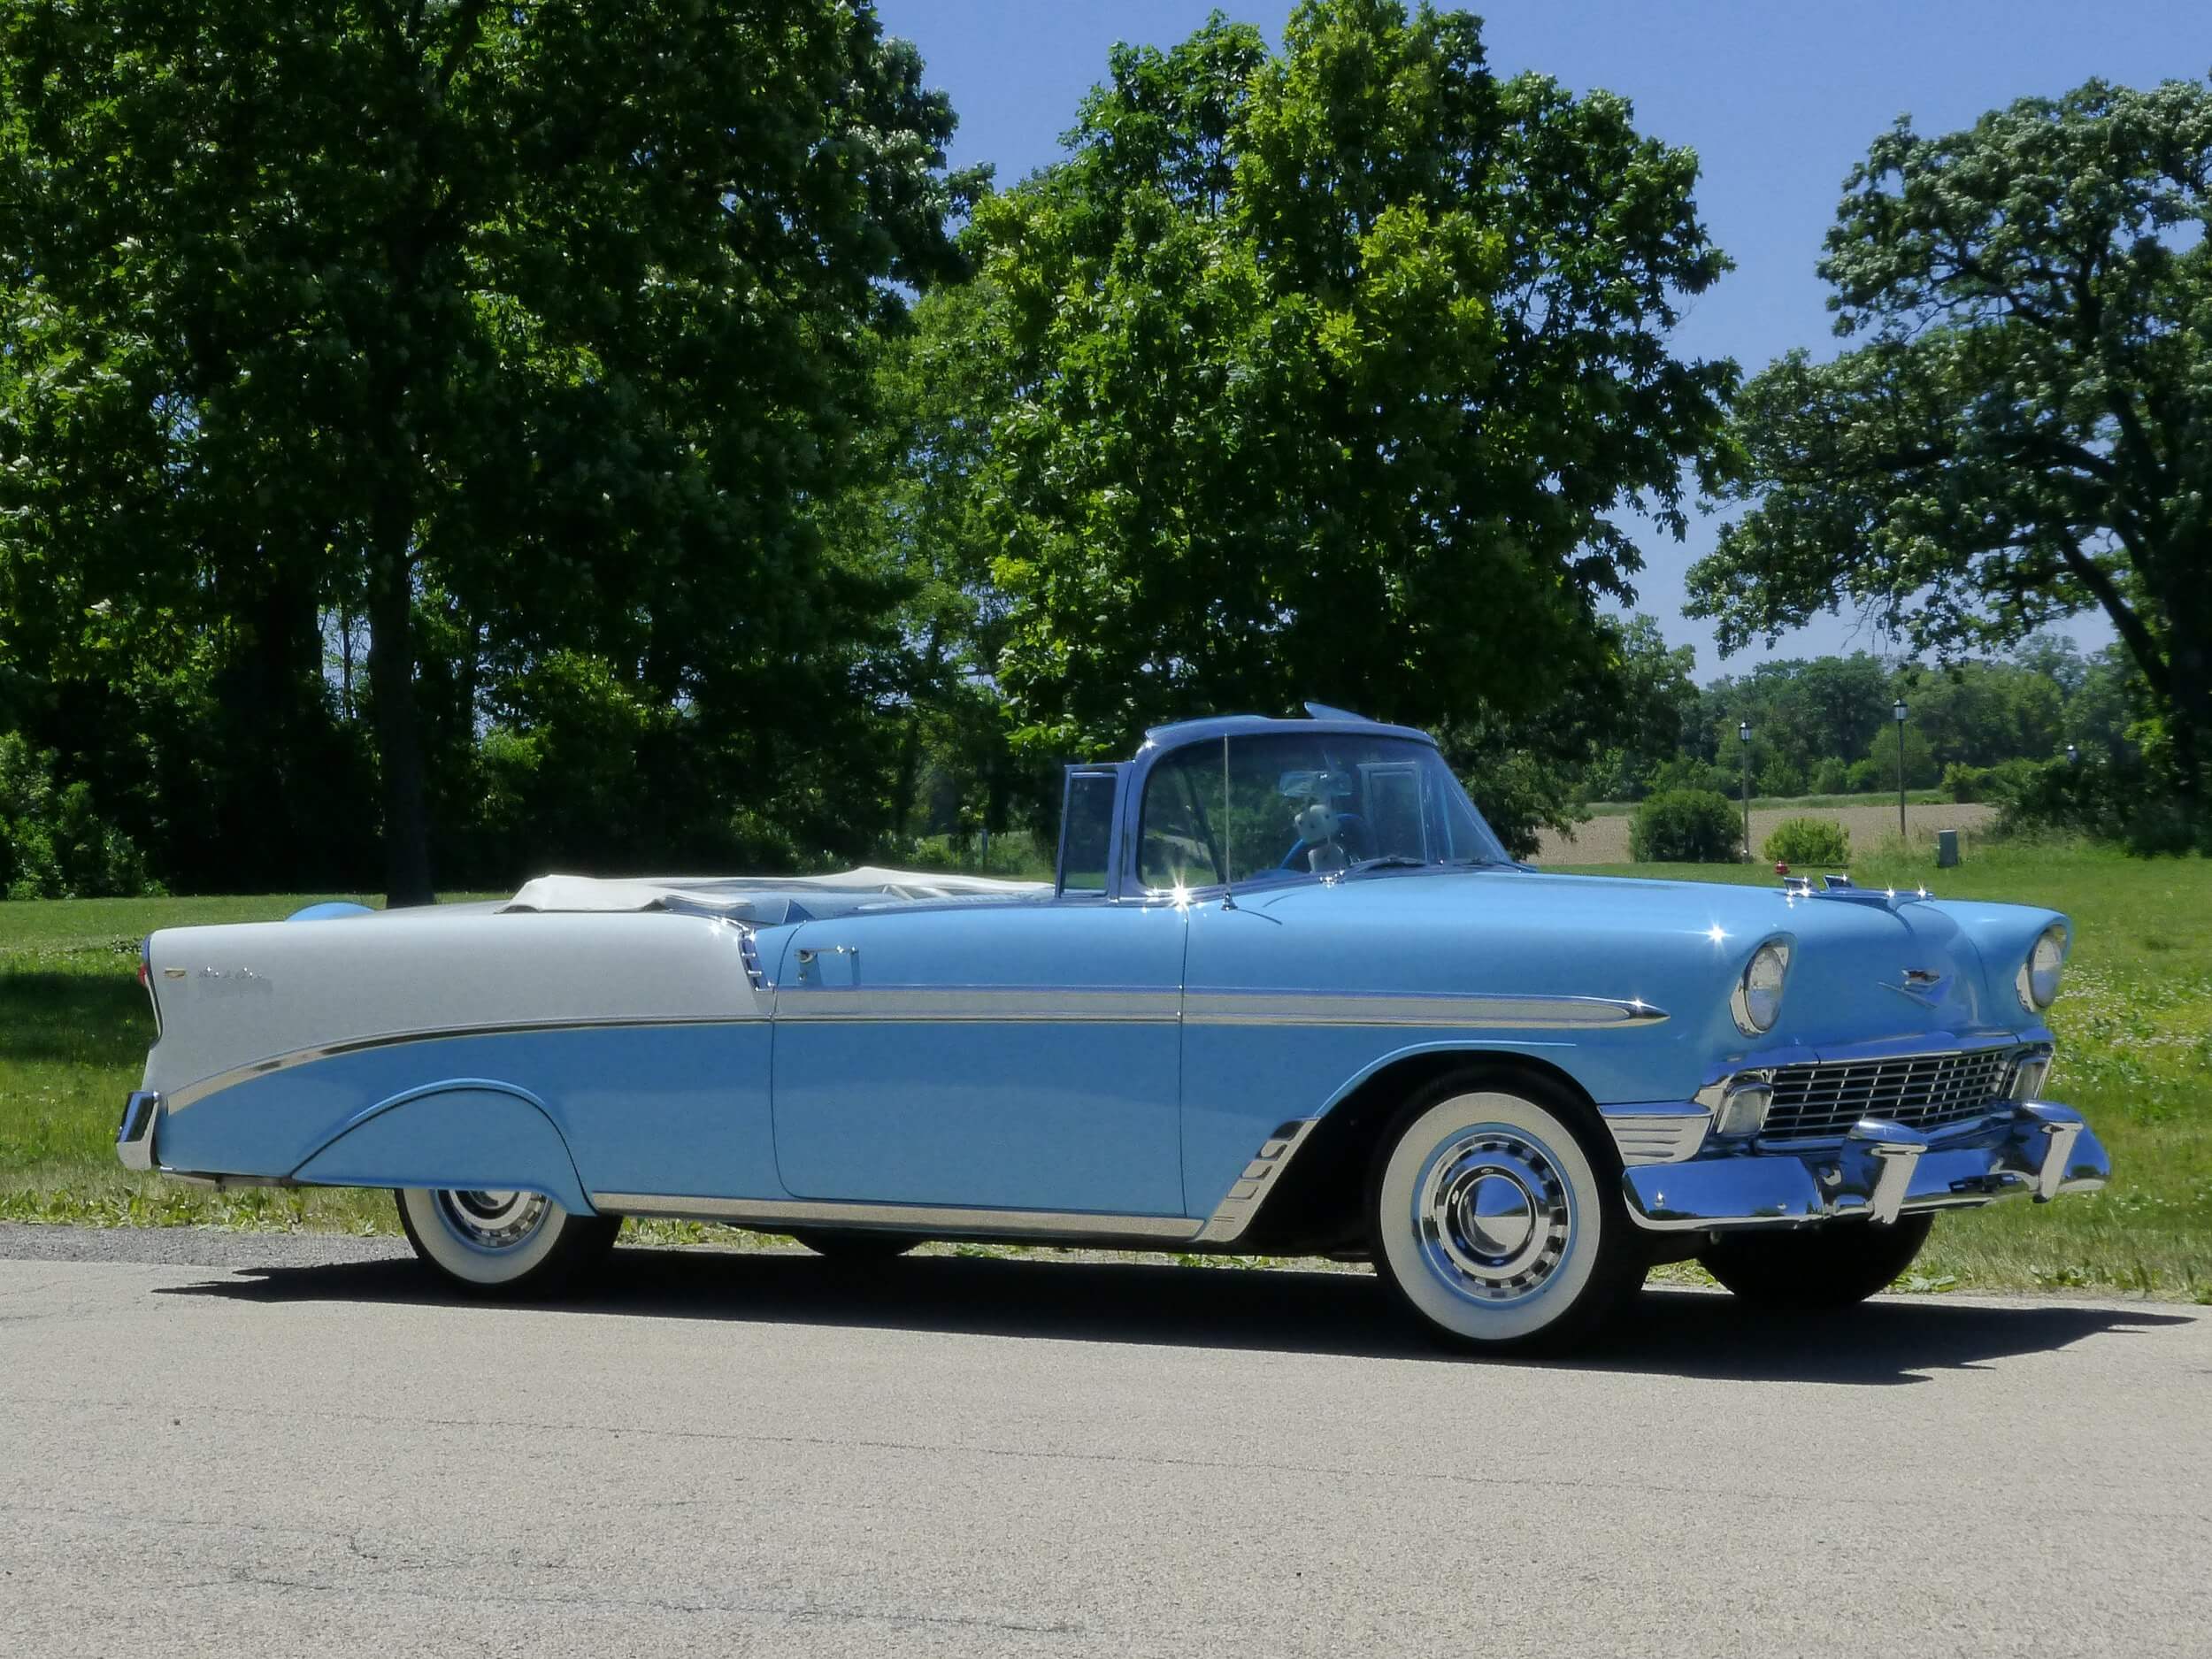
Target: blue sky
1779, 100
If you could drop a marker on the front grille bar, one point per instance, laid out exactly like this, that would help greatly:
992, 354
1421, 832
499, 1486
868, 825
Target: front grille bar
1821, 1100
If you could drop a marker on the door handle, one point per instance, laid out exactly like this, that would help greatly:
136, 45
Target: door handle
807, 953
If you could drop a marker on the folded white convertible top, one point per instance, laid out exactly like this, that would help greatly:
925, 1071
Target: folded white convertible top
645, 893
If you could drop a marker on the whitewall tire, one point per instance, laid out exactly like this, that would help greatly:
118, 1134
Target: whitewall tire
497, 1242
1497, 1215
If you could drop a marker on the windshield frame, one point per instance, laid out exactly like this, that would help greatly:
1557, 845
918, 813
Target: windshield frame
1133, 885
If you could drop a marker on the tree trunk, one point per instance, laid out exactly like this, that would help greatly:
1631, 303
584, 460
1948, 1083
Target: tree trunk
398, 737
911, 740
2191, 727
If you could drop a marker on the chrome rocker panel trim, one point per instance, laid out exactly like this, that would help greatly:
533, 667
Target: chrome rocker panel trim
1880, 1172
1231, 1216
779, 1215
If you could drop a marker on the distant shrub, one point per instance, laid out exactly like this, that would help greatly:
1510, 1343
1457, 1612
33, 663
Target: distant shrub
1782, 778
1809, 841
1863, 777
1832, 777
2004, 781
1685, 827
2105, 800
1686, 772
1966, 783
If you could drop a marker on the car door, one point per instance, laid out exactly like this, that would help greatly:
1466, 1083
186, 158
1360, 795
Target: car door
1012, 1054
1003, 1055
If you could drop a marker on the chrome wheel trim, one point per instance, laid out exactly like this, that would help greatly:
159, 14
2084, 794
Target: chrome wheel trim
483, 1236
1495, 1216
1402, 1249
493, 1222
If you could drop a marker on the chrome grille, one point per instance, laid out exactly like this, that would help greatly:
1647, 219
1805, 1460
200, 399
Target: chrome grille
1922, 1091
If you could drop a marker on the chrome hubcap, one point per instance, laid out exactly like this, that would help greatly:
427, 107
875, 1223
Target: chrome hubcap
492, 1220
1493, 1215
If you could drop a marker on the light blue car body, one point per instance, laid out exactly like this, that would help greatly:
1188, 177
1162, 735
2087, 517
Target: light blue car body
1130, 1066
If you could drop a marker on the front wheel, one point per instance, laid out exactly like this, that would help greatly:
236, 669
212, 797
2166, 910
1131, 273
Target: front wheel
1824, 1267
1497, 1215
501, 1243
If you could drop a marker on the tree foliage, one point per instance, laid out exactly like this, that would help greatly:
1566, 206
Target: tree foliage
1326, 372
513, 334
2023, 435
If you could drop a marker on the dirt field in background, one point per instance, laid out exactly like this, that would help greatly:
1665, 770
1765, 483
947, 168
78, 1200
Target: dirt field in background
1604, 840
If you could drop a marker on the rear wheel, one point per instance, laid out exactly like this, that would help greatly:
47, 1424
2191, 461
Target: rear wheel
1830, 1266
1497, 1215
856, 1244
499, 1242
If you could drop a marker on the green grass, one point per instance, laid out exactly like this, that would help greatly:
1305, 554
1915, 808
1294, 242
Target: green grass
2135, 1053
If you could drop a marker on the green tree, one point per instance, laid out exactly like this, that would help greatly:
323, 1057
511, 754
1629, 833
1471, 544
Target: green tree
1979, 714
1922, 769
1324, 374
510, 331
2022, 435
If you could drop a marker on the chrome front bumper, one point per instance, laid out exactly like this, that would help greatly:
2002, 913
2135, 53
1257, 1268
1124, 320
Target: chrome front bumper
1879, 1170
134, 1138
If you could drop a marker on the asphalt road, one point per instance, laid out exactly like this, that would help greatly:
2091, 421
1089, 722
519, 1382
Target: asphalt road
306, 1449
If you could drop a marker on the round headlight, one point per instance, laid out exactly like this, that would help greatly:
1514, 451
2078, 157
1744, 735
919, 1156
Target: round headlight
2039, 973
1758, 999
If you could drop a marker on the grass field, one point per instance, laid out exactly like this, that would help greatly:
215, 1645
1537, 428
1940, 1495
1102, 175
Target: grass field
2135, 1053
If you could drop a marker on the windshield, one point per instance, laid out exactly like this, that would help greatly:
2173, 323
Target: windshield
1288, 803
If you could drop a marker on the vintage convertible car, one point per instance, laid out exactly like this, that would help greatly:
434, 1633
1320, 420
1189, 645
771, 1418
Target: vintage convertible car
1287, 995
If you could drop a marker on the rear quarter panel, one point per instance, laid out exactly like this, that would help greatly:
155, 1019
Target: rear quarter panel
638, 1036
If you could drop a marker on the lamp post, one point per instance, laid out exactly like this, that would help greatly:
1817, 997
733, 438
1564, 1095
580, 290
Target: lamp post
2073, 754
1899, 711
1743, 735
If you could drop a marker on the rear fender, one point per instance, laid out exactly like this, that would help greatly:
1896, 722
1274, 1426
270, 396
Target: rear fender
470, 1133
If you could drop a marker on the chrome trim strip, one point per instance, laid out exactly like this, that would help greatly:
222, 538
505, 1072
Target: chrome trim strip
946, 1220
1481, 1011
748, 950
989, 1002
1659, 1131
1058, 1004
1233, 1214
177, 1100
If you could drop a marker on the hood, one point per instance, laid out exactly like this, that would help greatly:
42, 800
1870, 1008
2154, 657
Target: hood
1862, 968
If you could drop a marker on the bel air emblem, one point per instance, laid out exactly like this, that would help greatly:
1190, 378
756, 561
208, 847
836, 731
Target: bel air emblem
1922, 985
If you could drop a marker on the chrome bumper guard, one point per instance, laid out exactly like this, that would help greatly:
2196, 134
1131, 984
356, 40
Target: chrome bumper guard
134, 1139
1880, 1170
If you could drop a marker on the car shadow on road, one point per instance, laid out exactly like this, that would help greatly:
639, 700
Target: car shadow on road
1668, 1331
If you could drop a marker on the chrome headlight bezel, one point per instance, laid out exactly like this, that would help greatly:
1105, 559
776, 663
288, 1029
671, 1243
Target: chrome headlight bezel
2043, 968
1756, 1002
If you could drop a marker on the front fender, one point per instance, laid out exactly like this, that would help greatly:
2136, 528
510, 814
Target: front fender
471, 1133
